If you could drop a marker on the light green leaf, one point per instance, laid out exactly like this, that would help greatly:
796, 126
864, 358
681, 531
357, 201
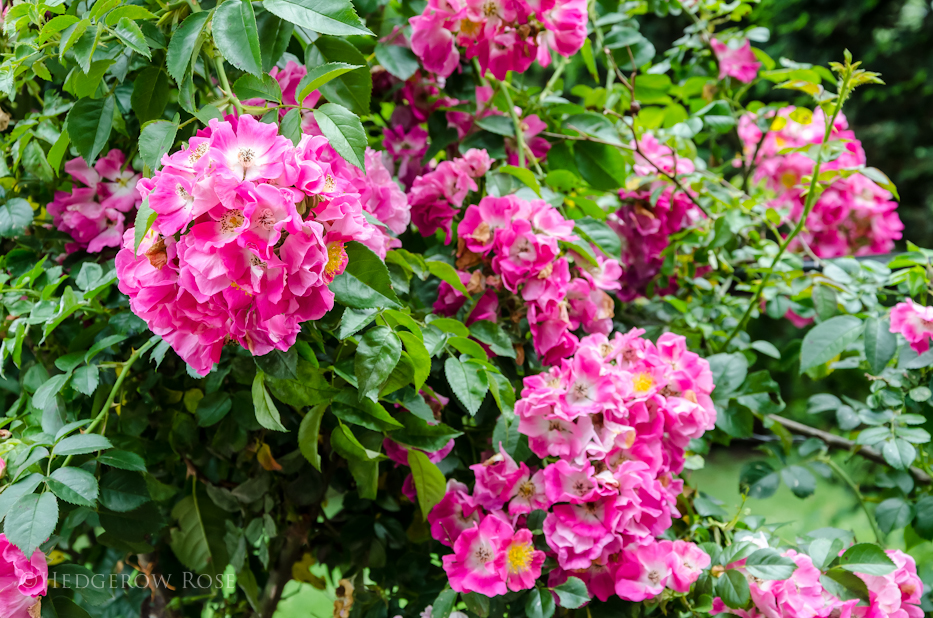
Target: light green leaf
344, 131
828, 340
267, 414
320, 75
572, 593
308, 433
74, 485
31, 521
866, 558
128, 32
15, 216
236, 35
376, 356
184, 44
880, 344
324, 16
446, 272
468, 382
525, 175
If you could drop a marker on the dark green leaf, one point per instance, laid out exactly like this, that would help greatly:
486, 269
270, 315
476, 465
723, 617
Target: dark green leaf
309, 388
800, 480
492, 335
324, 16
759, 480
145, 217
320, 75
429, 481
15, 216
844, 585
182, 47
572, 593
150, 94
398, 61
365, 284
212, 408
732, 588
128, 32
74, 485
893, 514
85, 379
600, 234
364, 412
236, 35
155, 140
124, 460
601, 165
93, 589
345, 132
264, 87
353, 90
539, 604
81, 444
376, 356
468, 382
419, 434
89, 123
444, 603
122, 491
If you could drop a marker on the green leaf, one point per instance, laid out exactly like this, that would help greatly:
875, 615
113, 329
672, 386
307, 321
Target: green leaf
758, 480
800, 481
74, 485
198, 539
82, 444
492, 335
446, 272
267, 414
376, 356
66, 608
85, 379
866, 558
880, 344
274, 37
600, 234
31, 521
601, 165
308, 433
732, 588
364, 412
82, 579
122, 491
468, 382
344, 131
539, 603
58, 150
145, 217
309, 388
324, 16
150, 95
429, 481
893, 514
46, 393
419, 357
290, 126
899, 453
468, 346
129, 11
572, 593
824, 299
15, 216
418, 434
365, 284
16, 491
128, 32
155, 140
444, 603
399, 61
923, 522
71, 35
828, 340
767, 563
236, 35
347, 446
499, 125
252, 87
844, 585
123, 460
353, 89
184, 45
212, 408
88, 124
525, 175
320, 75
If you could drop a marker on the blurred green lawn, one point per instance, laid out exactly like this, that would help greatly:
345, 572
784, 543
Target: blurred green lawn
833, 504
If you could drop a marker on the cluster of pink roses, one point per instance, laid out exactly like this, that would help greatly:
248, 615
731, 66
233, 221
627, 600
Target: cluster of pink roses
436, 197
503, 35
618, 417
914, 322
853, 216
250, 230
22, 581
895, 595
516, 243
95, 214
645, 228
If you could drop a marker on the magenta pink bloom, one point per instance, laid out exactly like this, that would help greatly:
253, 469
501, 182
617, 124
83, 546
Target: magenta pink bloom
518, 562
22, 581
95, 215
644, 571
689, 561
914, 322
476, 564
456, 512
737, 62
495, 479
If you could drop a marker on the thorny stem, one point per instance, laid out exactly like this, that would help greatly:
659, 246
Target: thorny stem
225, 85
105, 407
843, 475
808, 207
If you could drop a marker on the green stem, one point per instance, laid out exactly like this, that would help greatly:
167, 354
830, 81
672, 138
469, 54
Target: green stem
225, 85
837, 469
561, 63
105, 407
519, 134
808, 207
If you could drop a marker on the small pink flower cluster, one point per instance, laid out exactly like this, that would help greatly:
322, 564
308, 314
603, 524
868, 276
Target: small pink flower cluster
22, 581
895, 595
437, 196
250, 231
95, 214
503, 35
915, 322
618, 417
645, 229
738, 62
853, 216
516, 243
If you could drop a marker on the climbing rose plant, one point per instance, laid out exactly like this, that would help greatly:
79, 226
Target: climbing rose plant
436, 309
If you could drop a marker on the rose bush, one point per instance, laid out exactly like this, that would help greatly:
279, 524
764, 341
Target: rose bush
431, 309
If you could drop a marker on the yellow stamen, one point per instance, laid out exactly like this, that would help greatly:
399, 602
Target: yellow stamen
518, 558
642, 381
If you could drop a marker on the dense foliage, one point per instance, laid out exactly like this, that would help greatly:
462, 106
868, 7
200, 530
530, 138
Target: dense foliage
431, 307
